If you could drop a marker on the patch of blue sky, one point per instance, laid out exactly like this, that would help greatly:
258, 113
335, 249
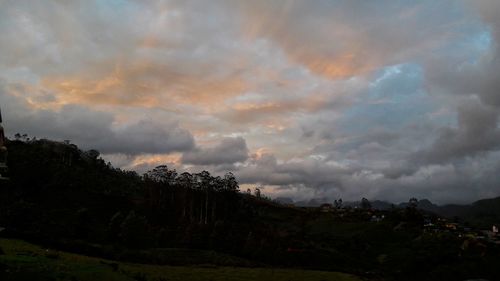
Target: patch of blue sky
395, 99
469, 45
116, 9
113, 4
480, 44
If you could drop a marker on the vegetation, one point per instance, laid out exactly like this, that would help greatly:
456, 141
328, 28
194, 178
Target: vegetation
25, 261
64, 198
482, 213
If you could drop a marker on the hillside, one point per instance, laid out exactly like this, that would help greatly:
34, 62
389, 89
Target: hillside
483, 213
64, 198
40, 264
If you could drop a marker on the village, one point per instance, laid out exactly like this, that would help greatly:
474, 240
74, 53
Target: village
430, 223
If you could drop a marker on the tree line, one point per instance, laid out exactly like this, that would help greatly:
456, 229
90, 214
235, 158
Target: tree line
186, 197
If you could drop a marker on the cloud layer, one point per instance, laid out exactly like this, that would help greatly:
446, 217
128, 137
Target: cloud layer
385, 100
228, 151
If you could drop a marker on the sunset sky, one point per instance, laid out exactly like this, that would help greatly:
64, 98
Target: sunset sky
378, 99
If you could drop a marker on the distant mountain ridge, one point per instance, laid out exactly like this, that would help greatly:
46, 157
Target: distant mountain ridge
423, 204
483, 213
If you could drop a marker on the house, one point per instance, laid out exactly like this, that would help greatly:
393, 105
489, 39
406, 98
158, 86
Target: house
375, 218
451, 226
491, 235
326, 208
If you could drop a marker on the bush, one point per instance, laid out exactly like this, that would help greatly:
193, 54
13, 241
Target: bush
134, 231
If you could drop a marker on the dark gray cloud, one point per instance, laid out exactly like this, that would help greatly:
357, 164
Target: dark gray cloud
472, 179
228, 151
472, 70
147, 136
476, 132
304, 177
92, 129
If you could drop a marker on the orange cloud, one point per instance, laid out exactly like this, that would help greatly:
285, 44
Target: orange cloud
333, 50
247, 112
329, 39
155, 160
144, 84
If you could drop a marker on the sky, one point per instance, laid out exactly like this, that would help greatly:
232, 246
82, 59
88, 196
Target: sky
309, 99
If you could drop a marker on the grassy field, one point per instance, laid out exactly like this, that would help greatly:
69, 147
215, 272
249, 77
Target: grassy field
24, 261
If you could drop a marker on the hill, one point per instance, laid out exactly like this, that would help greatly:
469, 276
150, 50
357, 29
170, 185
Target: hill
25, 261
483, 213
64, 198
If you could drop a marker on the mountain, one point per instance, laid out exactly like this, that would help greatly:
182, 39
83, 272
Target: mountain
427, 205
284, 200
69, 199
423, 204
381, 205
314, 202
483, 213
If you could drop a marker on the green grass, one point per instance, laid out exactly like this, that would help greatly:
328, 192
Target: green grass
25, 261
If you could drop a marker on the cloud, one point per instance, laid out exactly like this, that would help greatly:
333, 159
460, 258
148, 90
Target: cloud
473, 179
93, 129
228, 151
341, 39
477, 132
330, 98
305, 174
471, 68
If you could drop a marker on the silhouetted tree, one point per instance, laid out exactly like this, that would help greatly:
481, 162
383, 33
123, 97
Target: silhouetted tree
258, 192
134, 230
114, 226
230, 182
162, 174
92, 154
413, 202
338, 203
365, 204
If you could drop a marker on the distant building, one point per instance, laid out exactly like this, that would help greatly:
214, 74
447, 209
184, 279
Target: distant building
376, 218
326, 208
451, 226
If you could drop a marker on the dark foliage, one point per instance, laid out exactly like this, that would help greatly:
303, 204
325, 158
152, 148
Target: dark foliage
71, 199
